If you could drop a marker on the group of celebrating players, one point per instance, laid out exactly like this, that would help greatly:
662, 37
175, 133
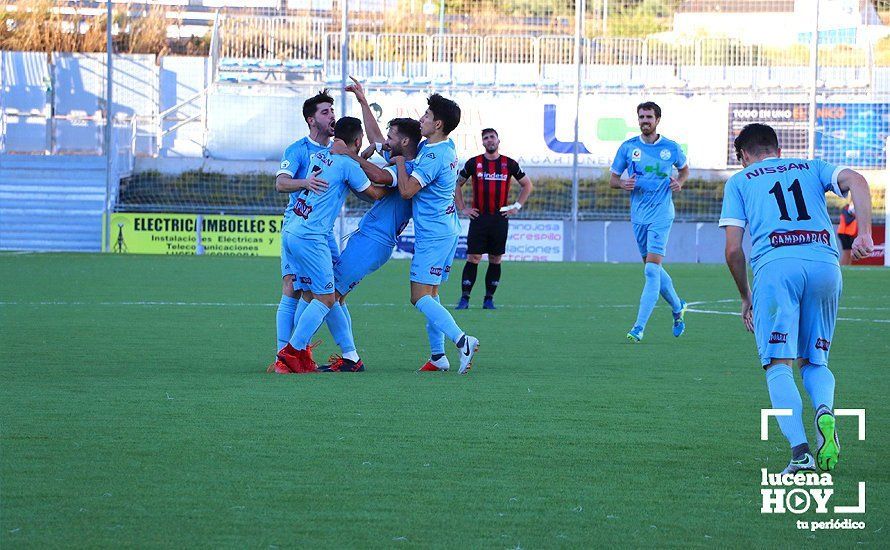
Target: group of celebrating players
791, 309
418, 183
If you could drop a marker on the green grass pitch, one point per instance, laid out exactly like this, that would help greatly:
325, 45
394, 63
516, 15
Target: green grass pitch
136, 411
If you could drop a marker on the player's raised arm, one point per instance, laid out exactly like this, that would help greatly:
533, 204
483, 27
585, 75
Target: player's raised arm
855, 183
372, 129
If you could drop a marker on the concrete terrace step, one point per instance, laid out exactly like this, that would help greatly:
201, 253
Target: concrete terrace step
51, 202
52, 174
37, 162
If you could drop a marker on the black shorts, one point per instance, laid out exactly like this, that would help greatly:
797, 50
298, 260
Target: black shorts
487, 234
846, 241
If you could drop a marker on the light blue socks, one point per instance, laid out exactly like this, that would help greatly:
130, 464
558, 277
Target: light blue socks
818, 380
784, 395
648, 299
310, 320
284, 319
668, 292
338, 324
436, 336
438, 317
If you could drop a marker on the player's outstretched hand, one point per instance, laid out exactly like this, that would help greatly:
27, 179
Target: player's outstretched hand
338, 147
471, 213
315, 184
863, 247
748, 314
629, 184
357, 88
676, 185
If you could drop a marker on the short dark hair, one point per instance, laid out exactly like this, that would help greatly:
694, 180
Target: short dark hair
489, 131
445, 110
649, 106
407, 127
348, 128
310, 106
756, 139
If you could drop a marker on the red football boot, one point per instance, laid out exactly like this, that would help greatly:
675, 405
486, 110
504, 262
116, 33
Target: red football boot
441, 365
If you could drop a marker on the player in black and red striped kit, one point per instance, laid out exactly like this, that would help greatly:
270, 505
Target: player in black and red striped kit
492, 174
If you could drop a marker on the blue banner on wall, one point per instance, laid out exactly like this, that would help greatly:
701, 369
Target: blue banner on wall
853, 134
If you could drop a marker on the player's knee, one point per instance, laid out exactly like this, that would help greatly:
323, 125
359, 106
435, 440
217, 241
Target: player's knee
652, 270
494, 258
474, 258
326, 299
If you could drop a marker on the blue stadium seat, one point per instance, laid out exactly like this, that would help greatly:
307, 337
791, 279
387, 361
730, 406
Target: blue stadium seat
465, 82
250, 62
378, 80
399, 80
421, 81
270, 63
442, 81
333, 80
228, 62
485, 83
313, 64
293, 64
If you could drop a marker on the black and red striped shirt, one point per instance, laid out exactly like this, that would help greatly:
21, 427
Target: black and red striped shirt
491, 181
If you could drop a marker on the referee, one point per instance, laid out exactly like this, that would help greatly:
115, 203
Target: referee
491, 173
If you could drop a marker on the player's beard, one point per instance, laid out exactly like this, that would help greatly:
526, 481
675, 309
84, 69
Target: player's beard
647, 130
491, 150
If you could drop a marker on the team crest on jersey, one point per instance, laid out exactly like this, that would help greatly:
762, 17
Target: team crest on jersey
636, 155
285, 163
302, 209
665, 154
431, 155
823, 344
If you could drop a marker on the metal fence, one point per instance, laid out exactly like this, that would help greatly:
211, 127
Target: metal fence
561, 61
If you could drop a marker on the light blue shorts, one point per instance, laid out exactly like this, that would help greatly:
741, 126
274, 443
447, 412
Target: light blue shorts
432, 260
795, 309
652, 238
313, 259
361, 257
289, 267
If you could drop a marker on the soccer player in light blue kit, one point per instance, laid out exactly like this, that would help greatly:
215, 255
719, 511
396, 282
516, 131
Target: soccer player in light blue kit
431, 187
649, 160
797, 280
306, 244
294, 178
372, 244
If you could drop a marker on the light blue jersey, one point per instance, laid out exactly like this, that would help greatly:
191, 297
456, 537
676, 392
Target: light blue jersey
651, 163
315, 214
782, 201
387, 218
295, 164
435, 216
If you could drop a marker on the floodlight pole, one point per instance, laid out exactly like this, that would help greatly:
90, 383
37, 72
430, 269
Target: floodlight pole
814, 70
344, 62
109, 149
579, 20
344, 54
